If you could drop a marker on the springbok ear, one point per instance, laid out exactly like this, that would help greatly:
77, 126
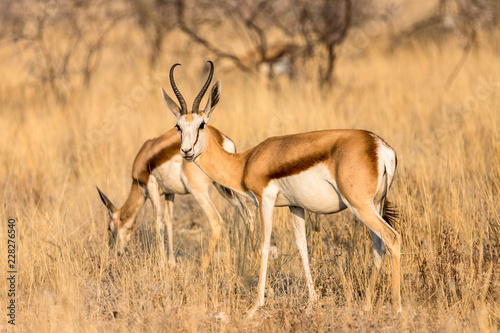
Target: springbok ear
176, 110
213, 99
111, 208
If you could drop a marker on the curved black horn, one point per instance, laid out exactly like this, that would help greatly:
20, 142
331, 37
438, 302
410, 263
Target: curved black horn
197, 100
177, 93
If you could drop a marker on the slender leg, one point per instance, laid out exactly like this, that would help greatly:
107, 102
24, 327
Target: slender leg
214, 219
158, 207
266, 221
299, 226
378, 256
392, 240
365, 203
198, 185
169, 218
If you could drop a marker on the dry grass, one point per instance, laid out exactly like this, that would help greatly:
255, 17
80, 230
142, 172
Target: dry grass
447, 188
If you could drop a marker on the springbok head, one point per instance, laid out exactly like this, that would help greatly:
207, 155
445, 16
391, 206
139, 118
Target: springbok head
191, 124
119, 232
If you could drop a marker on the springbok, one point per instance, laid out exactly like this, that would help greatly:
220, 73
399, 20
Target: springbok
158, 170
322, 171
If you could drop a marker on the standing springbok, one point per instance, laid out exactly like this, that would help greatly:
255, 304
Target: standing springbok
158, 170
322, 171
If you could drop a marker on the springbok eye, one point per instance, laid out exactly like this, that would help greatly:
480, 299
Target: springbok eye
202, 125
178, 128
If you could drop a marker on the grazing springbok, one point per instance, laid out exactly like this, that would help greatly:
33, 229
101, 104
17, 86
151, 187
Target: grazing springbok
158, 170
322, 171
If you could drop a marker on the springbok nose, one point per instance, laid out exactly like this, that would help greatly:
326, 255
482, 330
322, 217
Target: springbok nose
185, 151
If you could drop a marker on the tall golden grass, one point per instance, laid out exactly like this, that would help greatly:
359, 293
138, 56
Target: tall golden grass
447, 189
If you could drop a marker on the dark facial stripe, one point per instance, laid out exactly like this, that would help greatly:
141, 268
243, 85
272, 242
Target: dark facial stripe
197, 137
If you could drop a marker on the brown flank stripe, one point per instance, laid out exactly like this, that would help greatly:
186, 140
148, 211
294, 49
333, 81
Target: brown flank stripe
284, 156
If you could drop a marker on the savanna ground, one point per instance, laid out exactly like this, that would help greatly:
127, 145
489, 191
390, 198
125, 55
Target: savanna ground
447, 188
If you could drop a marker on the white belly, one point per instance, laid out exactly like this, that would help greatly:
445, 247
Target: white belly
313, 190
168, 176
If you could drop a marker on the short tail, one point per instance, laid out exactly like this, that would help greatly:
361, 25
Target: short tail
390, 213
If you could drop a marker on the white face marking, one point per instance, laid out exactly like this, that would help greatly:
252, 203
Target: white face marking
118, 237
112, 231
192, 130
